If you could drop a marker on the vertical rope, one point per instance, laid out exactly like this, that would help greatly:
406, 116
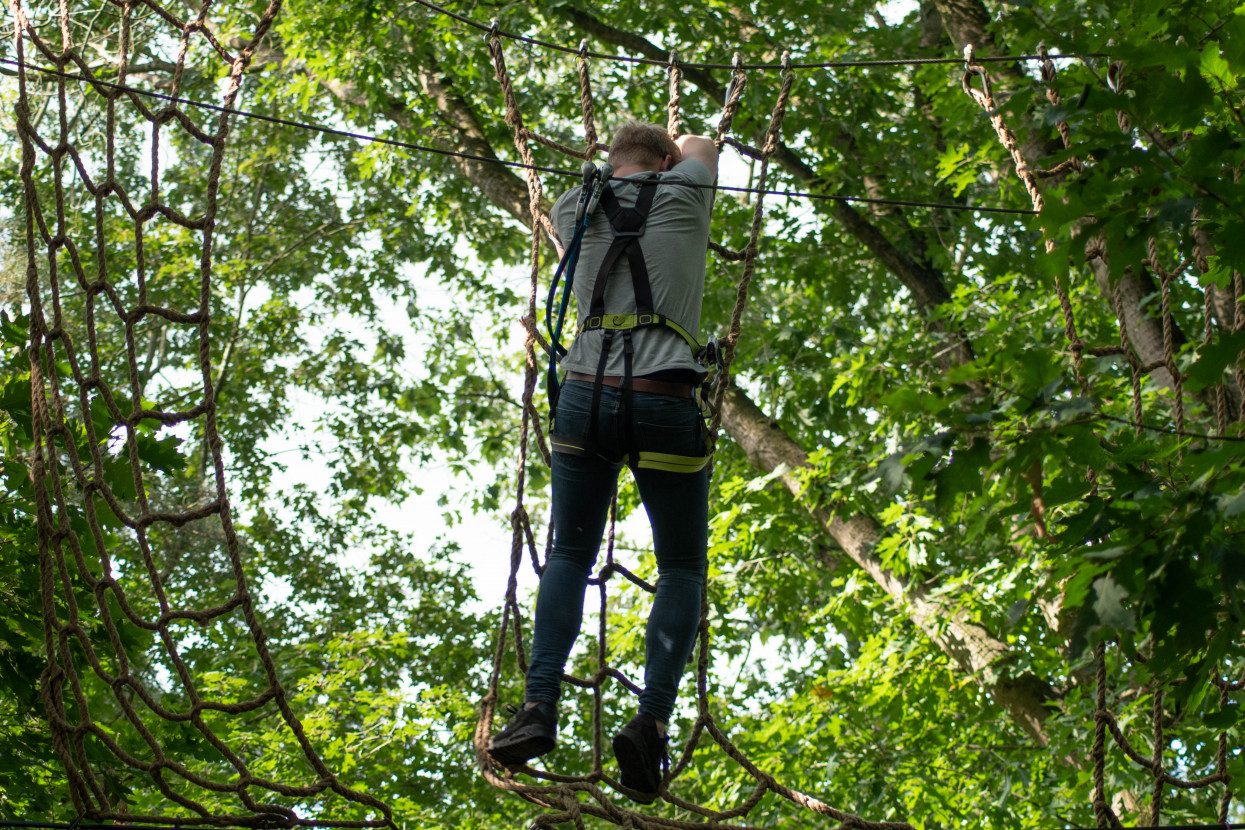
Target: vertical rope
768, 148
1202, 247
1115, 79
585, 101
1134, 365
1047, 67
520, 521
1169, 351
1238, 287
1221, 758
734, 94
1156, 762
1098, 753
985, 99
674, 105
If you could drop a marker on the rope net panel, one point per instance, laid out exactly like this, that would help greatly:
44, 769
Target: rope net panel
119, 688
91, 288
1133, 703
571, 797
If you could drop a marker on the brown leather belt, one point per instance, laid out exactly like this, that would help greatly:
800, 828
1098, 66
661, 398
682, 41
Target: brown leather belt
654, 387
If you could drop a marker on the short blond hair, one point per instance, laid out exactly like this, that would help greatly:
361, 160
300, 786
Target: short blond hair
639, 142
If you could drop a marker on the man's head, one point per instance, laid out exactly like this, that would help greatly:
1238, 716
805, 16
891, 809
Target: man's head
637, 143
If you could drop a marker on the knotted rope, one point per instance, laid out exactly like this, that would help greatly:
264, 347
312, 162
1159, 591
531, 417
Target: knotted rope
1104, 721
569, 798
95, 539
1096, 250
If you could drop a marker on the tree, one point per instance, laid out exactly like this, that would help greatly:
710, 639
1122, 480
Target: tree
930, 499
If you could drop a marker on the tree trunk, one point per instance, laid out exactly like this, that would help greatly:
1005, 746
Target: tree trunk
974, 650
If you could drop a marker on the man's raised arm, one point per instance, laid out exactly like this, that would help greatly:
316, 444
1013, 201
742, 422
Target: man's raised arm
701, 148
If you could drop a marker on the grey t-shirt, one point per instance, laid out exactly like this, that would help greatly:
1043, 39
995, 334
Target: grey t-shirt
674, 243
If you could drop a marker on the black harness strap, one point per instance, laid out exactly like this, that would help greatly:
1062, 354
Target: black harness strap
628, 226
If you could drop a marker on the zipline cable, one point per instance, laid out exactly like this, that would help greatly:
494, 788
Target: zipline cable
422, 148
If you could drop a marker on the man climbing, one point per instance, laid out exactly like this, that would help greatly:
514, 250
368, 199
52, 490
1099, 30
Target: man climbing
641, 281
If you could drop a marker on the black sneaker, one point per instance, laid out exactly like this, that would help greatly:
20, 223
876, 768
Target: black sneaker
531, 732
642, 759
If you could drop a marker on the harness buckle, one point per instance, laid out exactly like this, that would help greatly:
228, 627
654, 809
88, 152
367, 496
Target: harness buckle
646, 319
625, 234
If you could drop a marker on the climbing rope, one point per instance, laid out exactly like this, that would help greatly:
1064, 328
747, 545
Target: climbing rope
1096, 249
1105, 722
77, 413
75, 500
590, 150
495, 30
568, 798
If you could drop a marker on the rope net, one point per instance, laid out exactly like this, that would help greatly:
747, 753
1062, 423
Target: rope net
1134, 703
98, 445
571, 797
117, 626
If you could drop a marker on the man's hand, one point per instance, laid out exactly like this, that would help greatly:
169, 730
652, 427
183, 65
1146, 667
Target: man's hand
701, 148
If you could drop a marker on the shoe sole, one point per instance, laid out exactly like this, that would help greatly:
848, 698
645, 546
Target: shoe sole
630, 754
522, 750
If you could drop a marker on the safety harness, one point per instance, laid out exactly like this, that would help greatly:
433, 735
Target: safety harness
628, 225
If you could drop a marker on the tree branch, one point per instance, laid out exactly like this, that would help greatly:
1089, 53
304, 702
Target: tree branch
924, 282
975, 651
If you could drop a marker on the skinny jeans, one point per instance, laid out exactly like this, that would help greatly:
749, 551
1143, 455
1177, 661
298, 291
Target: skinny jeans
678, 510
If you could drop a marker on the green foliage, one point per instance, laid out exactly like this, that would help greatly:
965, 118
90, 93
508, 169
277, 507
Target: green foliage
384, 285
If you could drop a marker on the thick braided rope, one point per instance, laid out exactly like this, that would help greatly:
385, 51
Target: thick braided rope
768, 148
1134, 364
673, 108
561, 795
592, 146
1238, 316
985, 99
1047, 68
730, 107
1095, 250
522, 537
1221, 752
1104, 721
70, 558
1169, 351
1102, 810
1238, 285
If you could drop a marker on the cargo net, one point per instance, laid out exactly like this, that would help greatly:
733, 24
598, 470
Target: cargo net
119, 265
1125, 708
571, 797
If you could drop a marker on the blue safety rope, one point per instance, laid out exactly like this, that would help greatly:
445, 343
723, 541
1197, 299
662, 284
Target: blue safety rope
595, 178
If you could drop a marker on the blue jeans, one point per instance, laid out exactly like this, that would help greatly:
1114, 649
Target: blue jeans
678, 510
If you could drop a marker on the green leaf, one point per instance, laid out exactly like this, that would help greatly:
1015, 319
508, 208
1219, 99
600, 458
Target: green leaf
1224, 719
1216, 70
1109, 598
